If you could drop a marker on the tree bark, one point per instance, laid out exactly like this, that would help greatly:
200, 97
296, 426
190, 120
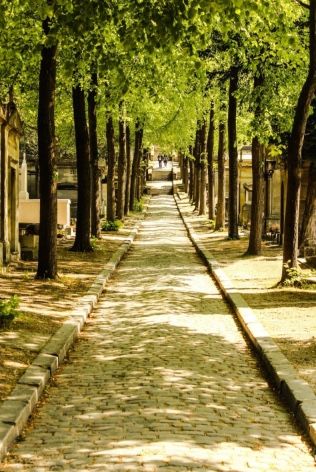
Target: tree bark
128, 169
196, 153
257, 202
210, 166
308, 227
136, 164
47, 251
203, 160
121, 171
255, 237
291, 224
185, 173
95, 172
233, 156
220, 213
83, 225
110, 201
191, 181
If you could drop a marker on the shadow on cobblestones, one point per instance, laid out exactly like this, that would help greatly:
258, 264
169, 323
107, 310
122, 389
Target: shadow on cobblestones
161, 380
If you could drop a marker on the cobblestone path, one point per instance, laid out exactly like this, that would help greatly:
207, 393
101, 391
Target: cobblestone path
161, 379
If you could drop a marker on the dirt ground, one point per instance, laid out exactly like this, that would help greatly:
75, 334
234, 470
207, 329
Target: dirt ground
44, 305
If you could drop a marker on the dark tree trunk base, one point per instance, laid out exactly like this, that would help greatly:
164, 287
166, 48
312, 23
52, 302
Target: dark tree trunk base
81, 248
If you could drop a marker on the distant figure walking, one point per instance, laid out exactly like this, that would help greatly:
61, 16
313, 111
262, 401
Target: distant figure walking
165, 161
160, 159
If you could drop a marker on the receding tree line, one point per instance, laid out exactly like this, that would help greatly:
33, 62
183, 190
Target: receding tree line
136, 75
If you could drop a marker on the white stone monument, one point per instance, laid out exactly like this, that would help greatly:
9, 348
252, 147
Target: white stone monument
23, 194
29, 208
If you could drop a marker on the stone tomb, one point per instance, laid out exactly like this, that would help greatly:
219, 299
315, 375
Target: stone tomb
10, 133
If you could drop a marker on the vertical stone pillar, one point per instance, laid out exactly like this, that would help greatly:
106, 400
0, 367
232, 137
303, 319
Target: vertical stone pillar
23, 193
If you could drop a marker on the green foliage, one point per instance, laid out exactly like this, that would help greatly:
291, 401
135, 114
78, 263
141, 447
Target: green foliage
138, 206
111, 225
9, 309
294, 277
212, 224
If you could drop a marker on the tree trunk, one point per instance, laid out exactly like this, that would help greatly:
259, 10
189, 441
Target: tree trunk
233, 156
82, 240
140, 175
143, 169
210, 162
255, 237
196, 153
290, 248
257, 202
128, 169
308, 227
136, 164
110, 196
121, 171
95, 172
47, 251
220, 213
191, 181
203, 160
185, 173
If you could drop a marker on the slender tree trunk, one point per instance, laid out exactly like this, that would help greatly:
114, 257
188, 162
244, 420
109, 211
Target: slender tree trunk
140, 175
220, 213
291, 224
233, 156
191, 181
203, 160
197, 174
143, 169
121, 172
110, 203
47, 253
185, 173
210, 162
308, 227
128, 169
82, 240
255, 237
94, 157
136, 164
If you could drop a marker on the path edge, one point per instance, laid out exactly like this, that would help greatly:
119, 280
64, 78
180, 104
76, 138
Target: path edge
16, 409
294, 391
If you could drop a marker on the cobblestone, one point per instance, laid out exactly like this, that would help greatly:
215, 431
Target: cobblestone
161, 379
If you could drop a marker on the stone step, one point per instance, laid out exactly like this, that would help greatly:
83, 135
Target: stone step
161, 174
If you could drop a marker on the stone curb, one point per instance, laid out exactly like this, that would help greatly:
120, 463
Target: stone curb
297, 393
16, 409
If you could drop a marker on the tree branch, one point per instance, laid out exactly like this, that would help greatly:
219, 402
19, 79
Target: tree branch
304, 5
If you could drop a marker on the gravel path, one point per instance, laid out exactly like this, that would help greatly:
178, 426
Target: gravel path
161, 379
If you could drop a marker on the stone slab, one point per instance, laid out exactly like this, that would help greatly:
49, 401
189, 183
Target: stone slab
25, 394
46, 361
8, 433
15, 412
59, 344
296, 391
306, 413
36, 376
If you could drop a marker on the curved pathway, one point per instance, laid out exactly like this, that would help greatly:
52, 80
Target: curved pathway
161, 379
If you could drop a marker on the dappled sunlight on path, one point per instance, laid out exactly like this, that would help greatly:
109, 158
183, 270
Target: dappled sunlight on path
161, 379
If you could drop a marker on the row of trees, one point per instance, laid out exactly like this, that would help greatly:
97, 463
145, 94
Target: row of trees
114, 75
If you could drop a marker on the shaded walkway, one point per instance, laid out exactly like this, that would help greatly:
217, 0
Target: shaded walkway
161, 379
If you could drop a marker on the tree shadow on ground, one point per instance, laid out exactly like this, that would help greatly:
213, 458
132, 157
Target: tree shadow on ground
161, 380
